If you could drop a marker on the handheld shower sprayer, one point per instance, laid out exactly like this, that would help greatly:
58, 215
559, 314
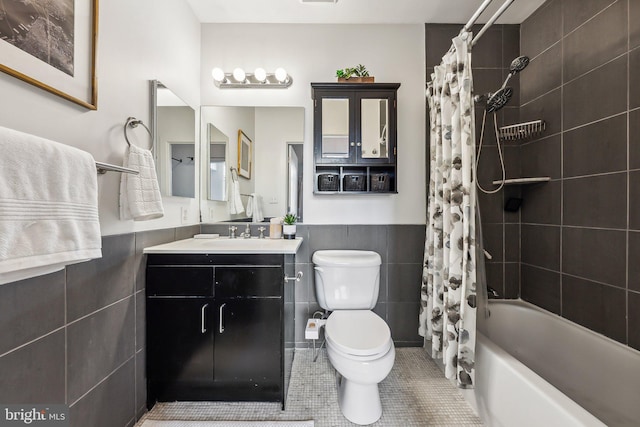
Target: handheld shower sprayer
498, 99
495, 101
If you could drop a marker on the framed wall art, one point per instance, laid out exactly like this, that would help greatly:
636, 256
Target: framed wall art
244, 155
52, 45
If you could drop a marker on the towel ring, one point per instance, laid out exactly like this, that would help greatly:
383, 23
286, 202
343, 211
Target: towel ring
234, 174
133, 123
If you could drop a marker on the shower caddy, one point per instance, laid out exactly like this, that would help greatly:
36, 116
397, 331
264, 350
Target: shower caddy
522, 131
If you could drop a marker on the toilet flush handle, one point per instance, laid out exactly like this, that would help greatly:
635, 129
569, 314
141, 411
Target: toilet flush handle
296, 278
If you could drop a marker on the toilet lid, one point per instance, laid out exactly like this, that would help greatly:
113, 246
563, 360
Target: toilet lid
358, 332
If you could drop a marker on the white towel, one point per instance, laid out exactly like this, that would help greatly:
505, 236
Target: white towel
140, 197
254, 208
48, 206
235, 202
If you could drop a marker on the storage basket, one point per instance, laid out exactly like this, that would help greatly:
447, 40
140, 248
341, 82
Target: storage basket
328, 182
380, 181
354, 182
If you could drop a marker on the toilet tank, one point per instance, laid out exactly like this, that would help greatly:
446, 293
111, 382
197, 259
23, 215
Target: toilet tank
347, 279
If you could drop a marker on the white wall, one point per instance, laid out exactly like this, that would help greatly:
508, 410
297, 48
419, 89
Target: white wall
274, 128
137, 41
312, 53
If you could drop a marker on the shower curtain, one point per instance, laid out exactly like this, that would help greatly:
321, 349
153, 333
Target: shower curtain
448, 296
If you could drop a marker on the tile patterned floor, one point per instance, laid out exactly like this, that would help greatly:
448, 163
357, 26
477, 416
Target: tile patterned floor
415, 394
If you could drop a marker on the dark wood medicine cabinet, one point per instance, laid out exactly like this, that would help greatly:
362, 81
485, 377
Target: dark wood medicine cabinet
355, 135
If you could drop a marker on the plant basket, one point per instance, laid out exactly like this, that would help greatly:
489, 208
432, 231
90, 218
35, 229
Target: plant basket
369, 79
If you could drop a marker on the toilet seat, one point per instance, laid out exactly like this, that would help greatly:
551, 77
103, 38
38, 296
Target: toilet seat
359, 333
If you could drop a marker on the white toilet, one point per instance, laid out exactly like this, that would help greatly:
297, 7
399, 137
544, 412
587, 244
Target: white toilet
359, 341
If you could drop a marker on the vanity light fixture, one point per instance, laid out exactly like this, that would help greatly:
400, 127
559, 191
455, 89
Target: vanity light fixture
260, 79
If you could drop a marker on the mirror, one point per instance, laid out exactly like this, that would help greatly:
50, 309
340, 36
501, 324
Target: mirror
217, 149
276, 177
174, 142
294, 180
335, 128
374, 115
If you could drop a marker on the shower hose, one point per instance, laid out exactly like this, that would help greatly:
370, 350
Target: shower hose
495, 126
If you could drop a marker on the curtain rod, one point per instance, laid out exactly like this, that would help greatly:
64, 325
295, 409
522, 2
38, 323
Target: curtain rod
476, 15
493, 19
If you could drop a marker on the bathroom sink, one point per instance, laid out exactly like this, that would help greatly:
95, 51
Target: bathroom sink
225, 245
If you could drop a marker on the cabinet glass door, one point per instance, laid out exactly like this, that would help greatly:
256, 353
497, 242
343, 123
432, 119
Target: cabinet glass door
374, 125
335, 128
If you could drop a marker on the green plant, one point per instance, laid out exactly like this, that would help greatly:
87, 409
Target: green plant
359, 71
290, 219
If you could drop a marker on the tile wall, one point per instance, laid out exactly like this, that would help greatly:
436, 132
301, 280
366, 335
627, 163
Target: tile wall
76, 336
491, 59
581, 231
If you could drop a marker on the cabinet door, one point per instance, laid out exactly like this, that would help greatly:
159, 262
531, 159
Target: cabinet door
376, 127
248, 350
335, 127
179, 343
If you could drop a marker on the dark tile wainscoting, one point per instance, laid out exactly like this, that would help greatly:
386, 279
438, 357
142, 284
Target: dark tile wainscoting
76, 336
401, 248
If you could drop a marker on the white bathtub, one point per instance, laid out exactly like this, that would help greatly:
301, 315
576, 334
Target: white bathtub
534, 368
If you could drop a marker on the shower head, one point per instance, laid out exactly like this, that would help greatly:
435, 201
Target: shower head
499, 99
518, 64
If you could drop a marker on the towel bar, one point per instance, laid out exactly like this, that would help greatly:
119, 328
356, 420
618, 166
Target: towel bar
103, 168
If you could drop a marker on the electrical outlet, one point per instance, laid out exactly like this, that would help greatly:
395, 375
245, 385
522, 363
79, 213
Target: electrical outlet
184, 214
273, 201
212, 213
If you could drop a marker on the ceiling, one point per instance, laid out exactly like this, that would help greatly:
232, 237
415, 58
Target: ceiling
356, 11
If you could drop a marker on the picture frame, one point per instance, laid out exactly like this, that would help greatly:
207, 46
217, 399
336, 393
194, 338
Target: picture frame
244, 155
70, 72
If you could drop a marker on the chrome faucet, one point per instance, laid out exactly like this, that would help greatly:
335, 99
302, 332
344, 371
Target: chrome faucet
232, 231
261, 230
247, 232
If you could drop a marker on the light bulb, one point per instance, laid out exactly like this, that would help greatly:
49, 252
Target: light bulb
281, 75
239, 75
260, 74
218, 74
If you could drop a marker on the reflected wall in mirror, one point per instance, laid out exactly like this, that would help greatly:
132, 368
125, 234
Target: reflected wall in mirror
374, 116
271, 130
294, 180
174, 142
217, 183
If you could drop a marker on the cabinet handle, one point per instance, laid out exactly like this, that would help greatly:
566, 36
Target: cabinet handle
353, 144
221, 323
359, 144
203, 328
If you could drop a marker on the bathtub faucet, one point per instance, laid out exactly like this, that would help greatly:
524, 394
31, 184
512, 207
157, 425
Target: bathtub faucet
493, 294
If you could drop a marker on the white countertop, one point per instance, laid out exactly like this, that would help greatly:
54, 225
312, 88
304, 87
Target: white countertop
224, 245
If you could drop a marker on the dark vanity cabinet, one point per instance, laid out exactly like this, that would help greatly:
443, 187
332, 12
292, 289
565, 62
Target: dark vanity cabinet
355, 135
216, 328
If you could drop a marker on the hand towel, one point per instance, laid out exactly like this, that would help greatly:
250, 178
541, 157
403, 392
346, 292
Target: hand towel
48, 206
254, 209
140, 197
235, 202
